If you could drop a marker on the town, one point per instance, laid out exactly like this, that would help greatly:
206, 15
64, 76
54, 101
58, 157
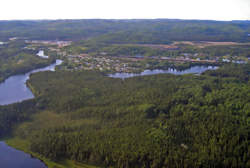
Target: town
106, 62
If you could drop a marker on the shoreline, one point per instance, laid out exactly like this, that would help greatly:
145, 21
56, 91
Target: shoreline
26, 71
22, 145
23, 78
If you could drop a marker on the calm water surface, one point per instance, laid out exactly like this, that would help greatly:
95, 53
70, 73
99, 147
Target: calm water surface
14, 88
41, 54
192, 70
12, 158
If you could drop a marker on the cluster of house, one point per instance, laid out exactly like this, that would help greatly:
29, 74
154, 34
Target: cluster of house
119, 64
194, 58
60, 44
13, 38
234, 61
2, 43
87, 62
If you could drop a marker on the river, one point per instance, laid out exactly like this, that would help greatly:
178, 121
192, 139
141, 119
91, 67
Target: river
14, 88
41, 54
12, 158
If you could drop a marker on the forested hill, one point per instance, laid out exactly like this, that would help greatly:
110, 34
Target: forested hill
140, 31
151, 122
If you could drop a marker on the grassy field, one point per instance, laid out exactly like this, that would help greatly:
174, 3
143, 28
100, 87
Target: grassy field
24, 146
203, 44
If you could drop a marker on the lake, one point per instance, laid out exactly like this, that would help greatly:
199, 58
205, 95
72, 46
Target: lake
41, 54
12, 158
14, 88
192, 70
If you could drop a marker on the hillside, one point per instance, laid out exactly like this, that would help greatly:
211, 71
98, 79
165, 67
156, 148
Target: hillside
122, 31
153, 121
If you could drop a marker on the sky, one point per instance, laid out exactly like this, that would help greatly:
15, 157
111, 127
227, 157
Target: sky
125, 9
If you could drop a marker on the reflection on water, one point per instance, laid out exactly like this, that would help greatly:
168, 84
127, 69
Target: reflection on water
12, 158
192, 70
41, 54
14, 88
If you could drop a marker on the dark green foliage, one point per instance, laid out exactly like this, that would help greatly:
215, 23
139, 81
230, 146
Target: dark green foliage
16, 113
156, 31
240, 73
152, 121
15, 59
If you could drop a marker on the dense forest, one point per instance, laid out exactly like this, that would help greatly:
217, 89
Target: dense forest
124, 31
177, 121
15, 59
152, 121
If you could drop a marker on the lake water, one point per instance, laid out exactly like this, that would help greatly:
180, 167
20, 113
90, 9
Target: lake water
41, 54
192, 70
12, 158
14, 88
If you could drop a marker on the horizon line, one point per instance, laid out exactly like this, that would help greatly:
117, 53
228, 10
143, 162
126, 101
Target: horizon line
218, 20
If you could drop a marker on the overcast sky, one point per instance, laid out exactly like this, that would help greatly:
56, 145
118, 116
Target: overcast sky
125, 9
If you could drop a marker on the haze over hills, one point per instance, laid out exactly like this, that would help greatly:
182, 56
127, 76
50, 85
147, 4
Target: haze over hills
159, 29
81, 116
